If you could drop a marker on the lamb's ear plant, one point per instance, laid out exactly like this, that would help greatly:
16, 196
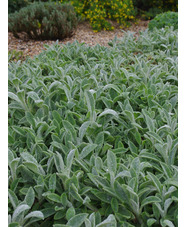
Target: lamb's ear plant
93, 134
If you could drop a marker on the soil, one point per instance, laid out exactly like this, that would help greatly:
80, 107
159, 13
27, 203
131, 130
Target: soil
83, 34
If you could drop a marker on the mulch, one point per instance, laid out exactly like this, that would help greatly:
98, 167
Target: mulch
83, 34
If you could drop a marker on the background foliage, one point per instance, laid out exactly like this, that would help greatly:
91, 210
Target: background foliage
162, 4
100, 12
93, 134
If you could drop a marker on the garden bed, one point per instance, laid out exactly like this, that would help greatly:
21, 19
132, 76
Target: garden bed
84, 33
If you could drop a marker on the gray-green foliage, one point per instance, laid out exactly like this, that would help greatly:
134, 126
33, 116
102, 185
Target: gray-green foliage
93, 134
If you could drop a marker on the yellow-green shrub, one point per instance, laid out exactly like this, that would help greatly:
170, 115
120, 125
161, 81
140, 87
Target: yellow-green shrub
98, 11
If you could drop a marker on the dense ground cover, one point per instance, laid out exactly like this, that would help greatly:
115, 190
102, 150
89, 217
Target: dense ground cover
93, 134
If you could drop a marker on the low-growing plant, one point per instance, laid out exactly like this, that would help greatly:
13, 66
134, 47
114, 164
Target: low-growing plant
164, 19
44, 20
14, 55
93, 134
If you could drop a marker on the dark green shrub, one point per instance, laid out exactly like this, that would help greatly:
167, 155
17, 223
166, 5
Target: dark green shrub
44, 20
16, 5
164, 19
149, 9
164, 5
151, 13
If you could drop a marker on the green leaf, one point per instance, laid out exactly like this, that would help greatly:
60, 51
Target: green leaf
149, 156
30, 119
138, 137
155, 181
120, 192
74, 193
114, 205
18, 211
102, 196
150, 222
150, 200
13, 96
70, 213
111, 162
70, 158
77, 220
109, 111
30, 197
87, 150
132, 147
29, 158
168, 223
149, 122
52, 182
56, 116
69, 127
60, 214
109, 222
35, 214
98, 180
113, 86
19, 130
167, 204
10, 156
90, 101
123, 213
92, 219
32, 166
83, 129
155, 136
13, 166
166, 169
54, 197
58, 160
64, 199
13, 198
87, 223
135, 164
47, 212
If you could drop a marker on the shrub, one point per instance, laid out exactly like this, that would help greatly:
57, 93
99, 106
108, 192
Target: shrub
16, 5
98, 11
164, 19
93, 134
164, 5
149, 9
44, 20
